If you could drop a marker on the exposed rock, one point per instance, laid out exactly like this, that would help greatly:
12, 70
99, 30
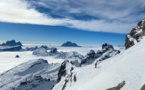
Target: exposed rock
69, 44
66, 71
106, 52
143, 87
62, 70
118, 87
135, 35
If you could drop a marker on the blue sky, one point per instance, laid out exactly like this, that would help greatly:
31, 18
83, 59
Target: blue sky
83, 21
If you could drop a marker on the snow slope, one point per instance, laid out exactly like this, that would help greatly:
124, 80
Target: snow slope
128, 66
8, 60
34, 75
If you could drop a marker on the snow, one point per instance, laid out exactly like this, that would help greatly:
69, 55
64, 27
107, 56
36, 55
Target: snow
33, 74
8, 60
127, 66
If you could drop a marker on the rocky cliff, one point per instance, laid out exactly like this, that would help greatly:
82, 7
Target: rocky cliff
135, 35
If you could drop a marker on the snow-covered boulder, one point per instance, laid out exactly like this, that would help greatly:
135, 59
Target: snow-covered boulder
34, 75
69, 44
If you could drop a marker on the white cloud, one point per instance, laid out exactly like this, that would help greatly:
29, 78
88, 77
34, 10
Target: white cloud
20, 11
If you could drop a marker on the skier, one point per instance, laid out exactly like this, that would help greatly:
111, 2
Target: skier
96, 65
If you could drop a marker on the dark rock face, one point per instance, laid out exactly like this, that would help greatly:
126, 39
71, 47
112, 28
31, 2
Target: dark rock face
118, 87
143, 87
66, 71
106, 52
135, 35
69, 44
12, 43
62, 70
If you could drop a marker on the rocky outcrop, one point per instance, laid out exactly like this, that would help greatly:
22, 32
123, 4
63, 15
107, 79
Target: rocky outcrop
118, 87
69, 44
62, 70
135, 35
65, 75
106, 52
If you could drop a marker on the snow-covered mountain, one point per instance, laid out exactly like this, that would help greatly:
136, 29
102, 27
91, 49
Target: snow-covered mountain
58, 55
31, 75
106, 52
124, 71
